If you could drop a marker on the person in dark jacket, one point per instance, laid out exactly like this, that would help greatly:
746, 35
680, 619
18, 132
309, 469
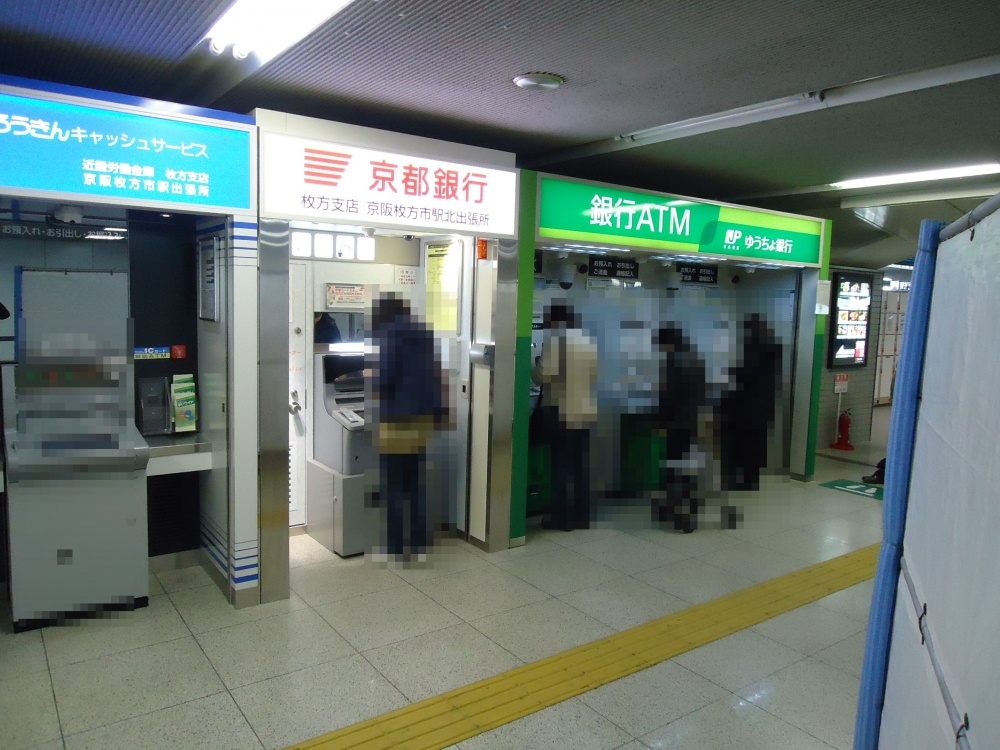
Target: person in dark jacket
681, 402
747, 410
326, 330
408, 394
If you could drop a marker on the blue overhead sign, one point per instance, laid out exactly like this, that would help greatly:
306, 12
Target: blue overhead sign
93, 152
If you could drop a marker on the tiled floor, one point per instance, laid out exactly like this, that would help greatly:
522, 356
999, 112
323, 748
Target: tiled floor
356, 640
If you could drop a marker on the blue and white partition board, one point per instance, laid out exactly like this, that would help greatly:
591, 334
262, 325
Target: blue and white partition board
931, 676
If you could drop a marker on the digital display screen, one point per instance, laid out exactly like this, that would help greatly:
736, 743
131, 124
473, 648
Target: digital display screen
850, 316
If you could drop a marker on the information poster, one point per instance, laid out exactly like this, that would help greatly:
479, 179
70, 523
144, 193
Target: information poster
850, 318
345, 295
444, 279
208, 289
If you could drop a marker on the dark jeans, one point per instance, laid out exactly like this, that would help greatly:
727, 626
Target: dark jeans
570, 478
682, 503
404, 491
744, 454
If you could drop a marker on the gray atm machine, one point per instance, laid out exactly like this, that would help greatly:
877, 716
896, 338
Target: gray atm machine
343, 456
74, 462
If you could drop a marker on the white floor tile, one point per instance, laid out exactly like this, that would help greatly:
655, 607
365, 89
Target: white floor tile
27, 711
809, 629
628, 554
304, 550
653, 697
382, 617
624, 603
739, 660
184, 578
569, 724
847, 656
114, 632
806, 546
442, 561
206, 608
578, 536
694, 580
534, 546
437, 662
132, 683
812, 696
302, 705
330, 582
854, 602
753, 561
155, 588
479, 592
20, 653
852, 531
214, 722
731, 724
543, 629
701, 542
561, 571
255, 651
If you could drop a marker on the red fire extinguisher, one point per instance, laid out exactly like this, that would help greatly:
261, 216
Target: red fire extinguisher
843, 442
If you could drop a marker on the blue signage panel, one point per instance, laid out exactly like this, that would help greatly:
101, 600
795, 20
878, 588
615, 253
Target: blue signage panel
136, 158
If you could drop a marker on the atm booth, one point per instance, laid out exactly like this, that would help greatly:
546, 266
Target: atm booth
118, 226
346, 214
628, 260
339, 474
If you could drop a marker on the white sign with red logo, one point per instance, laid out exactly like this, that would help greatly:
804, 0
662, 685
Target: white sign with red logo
344, 184
840, 383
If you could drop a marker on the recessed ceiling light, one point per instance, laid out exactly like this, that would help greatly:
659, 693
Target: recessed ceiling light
165, 216
539, 81
932, 174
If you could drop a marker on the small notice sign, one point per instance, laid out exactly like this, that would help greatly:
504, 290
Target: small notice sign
152, 352
613, 268
840, 384
696, 273
340, 295
406, 275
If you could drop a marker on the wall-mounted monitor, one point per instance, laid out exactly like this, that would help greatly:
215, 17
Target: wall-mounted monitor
849, 320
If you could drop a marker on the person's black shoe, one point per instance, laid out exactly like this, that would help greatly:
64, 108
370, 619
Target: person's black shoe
872, 479
553, 525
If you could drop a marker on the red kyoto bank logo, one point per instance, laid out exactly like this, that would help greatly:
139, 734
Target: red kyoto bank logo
324, 167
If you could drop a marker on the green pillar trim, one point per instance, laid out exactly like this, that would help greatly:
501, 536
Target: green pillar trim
819, 356
526, 230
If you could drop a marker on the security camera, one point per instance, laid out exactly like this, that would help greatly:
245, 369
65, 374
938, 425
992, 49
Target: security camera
566, 276
407, 237
581, 269
368, 231
736, 279
69, 214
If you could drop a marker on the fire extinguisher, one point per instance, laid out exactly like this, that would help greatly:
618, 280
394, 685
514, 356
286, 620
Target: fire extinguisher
843, 441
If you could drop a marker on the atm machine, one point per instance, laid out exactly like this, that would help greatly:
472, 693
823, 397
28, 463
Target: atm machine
74, 462
337, 477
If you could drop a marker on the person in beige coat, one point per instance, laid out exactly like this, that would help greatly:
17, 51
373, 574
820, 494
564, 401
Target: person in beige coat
567, 370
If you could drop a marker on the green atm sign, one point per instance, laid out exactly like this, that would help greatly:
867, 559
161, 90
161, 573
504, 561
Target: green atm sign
587, 212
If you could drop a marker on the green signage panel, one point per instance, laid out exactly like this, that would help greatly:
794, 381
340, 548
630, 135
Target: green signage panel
586, 212
855, 488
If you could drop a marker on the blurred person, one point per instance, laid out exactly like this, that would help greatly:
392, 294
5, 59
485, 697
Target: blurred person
567, 370
408, 390
747, 409
326, 330
682, 402
878, 477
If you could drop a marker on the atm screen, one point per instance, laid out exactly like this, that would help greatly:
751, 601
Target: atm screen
343, 367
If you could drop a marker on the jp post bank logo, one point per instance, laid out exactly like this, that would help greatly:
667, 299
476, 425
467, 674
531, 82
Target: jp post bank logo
324, 167
732, 239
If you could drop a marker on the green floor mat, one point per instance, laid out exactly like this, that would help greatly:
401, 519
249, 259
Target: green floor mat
873, 491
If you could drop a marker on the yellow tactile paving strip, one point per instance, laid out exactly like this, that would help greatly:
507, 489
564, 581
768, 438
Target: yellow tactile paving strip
473, 709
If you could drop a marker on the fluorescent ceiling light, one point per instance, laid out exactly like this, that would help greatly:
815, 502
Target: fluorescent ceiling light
269, 27
926, 176
115, 229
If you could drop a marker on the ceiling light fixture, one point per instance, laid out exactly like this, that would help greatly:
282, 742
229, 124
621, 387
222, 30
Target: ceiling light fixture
269, 27
536, 81
925, 176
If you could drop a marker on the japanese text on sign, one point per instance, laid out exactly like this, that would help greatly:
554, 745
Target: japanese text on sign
614, 268
625, 213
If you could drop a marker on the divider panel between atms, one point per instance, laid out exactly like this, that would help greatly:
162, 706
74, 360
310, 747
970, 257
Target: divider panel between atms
930, 676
